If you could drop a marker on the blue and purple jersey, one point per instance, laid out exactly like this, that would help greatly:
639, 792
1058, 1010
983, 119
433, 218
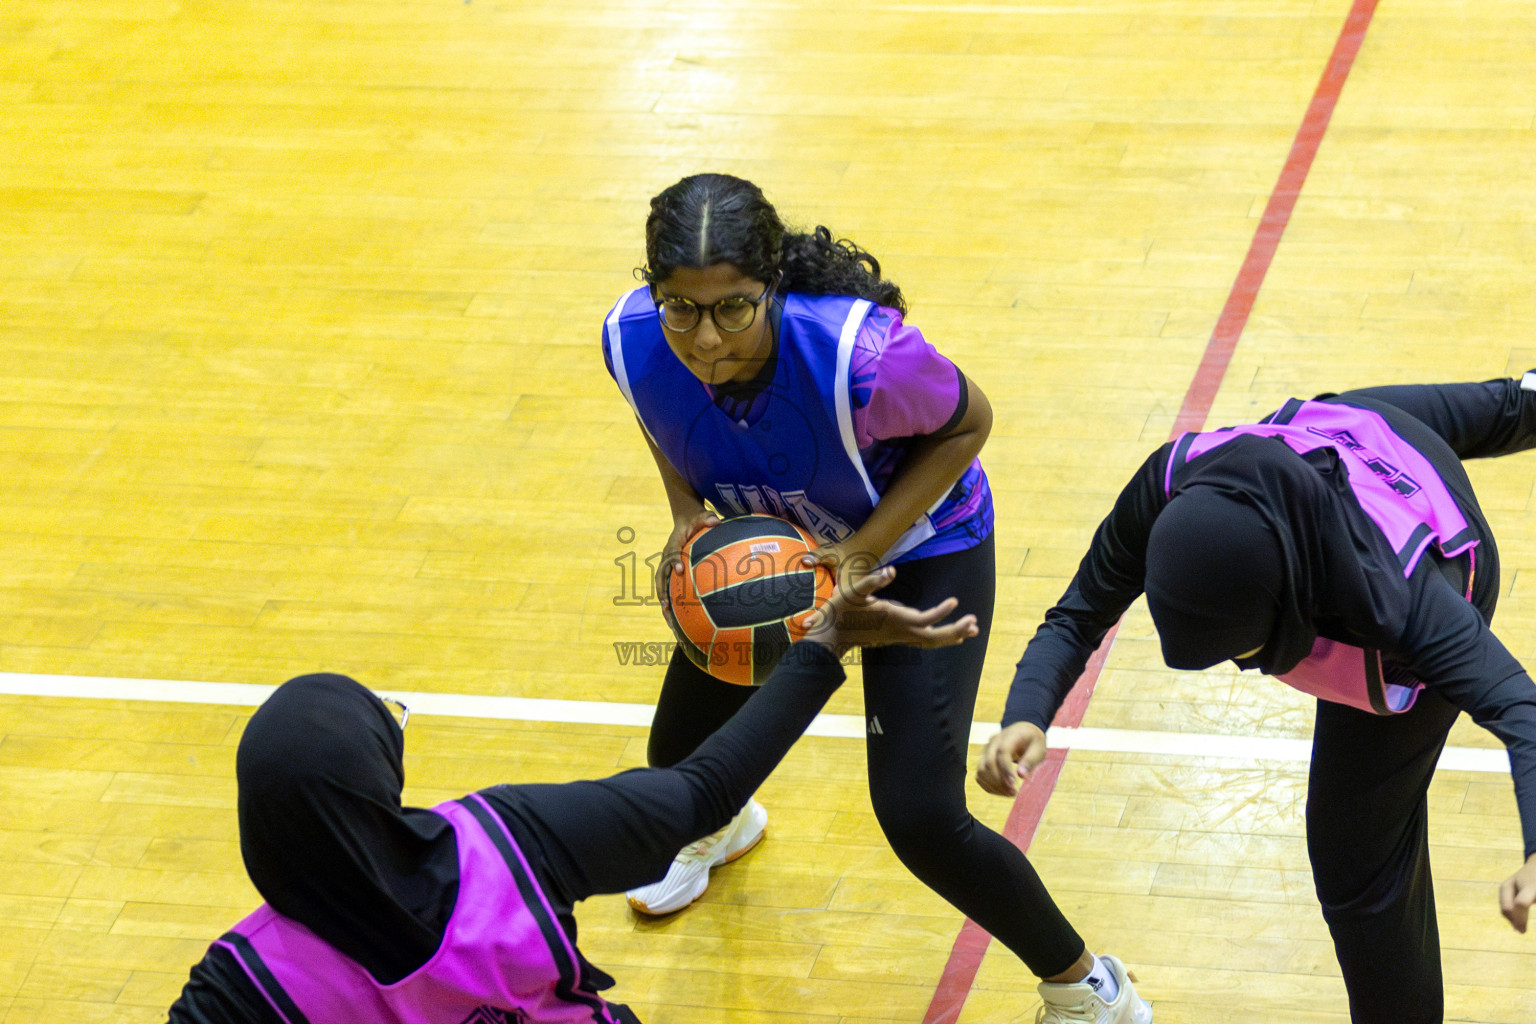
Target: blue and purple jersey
851, 387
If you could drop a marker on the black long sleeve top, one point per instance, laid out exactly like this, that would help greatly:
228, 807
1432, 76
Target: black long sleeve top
1444, 642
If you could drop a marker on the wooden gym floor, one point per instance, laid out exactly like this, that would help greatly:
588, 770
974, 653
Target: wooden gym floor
299, 318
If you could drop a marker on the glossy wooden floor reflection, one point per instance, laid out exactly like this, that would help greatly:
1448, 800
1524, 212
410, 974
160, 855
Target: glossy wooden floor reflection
299, 313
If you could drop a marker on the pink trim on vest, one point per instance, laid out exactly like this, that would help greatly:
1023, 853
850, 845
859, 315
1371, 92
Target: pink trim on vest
1399, 491
1395, 484
1349, 675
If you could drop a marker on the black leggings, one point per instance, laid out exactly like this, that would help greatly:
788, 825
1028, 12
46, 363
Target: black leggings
919, 706
1367, 810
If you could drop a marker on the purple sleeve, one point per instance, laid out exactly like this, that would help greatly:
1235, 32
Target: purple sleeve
902, 386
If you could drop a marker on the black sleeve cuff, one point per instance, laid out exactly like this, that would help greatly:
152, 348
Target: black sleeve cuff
960, 407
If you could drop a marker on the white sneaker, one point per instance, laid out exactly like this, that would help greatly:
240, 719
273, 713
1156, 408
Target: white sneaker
688, 877
1080, 1003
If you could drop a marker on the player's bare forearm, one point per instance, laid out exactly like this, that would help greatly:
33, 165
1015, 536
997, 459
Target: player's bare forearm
682, 499
931, 467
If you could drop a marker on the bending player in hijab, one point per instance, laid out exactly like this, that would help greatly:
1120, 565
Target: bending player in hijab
1338, 546
377, 913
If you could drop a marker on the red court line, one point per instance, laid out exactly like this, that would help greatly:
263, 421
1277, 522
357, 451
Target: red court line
1024, 817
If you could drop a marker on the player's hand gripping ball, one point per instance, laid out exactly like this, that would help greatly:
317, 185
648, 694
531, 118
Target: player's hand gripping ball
744, 596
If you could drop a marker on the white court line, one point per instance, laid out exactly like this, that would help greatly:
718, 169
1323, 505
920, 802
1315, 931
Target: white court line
528, 709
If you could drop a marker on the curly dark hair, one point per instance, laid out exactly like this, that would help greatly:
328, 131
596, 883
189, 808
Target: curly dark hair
716, 218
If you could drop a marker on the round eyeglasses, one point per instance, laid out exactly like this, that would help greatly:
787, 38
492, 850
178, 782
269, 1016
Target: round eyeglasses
731, 315
398, 711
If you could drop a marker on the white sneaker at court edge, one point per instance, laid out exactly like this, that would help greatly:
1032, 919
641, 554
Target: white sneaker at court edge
688, 877
1079, 1003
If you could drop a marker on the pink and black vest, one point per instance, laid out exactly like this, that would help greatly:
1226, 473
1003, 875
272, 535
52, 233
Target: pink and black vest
504, 957
1399, 491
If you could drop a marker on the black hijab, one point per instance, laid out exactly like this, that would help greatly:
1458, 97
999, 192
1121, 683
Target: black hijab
1215, 579
323, 833
1259, 547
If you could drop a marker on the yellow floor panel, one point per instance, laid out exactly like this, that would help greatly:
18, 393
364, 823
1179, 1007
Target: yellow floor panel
299, 320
